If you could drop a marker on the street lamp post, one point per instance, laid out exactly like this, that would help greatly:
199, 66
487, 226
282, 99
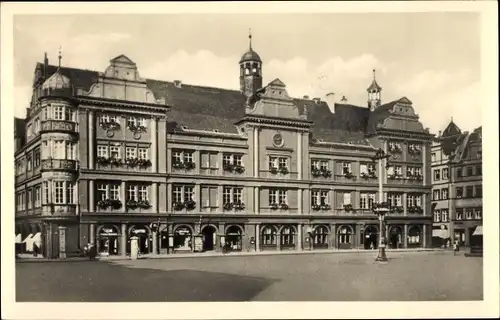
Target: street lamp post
381, 208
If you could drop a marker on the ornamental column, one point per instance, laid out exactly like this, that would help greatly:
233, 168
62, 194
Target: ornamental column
257, 237
405, 239
92, 233
122, 195
154, 197
299, 237
154, 145
299, 156
299, 201
90, 140
256, 198
405, 205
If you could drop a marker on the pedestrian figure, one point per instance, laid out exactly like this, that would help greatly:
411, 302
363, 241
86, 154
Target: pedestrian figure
456, 247
92, 251
35, 250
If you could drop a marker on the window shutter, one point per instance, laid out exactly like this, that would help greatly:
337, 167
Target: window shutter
204, 194
213, 196
347, 198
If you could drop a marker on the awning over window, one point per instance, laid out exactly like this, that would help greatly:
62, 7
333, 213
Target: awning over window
478, 231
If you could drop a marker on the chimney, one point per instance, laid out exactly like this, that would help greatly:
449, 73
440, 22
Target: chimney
306, 97
330, 100
317, 100
343, 100
45, 66
439, 133
178, 83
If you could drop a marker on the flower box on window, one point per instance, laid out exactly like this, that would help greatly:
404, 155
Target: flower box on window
414, 149
178, 206
273, 206
415, 209
110, 125
132, 162
102, 160
234, 168
178, 165
239, 206
144, 163
113, 203
134, 128
144, 204
316, 172
115, 161
348, 174
273, 170
397, 209
190, 204
316, 207
371, 174
283, 170
382, 205
189, 165
228, 206
326, 173
365, 175
284, 206
418, 177
132, 204
325, 206
395, 148
348, 207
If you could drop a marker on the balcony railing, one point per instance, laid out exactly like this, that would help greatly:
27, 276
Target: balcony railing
59, 164
59, 125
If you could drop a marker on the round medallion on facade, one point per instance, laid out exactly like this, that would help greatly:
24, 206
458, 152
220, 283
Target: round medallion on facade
110, 133
137, 135
278, 140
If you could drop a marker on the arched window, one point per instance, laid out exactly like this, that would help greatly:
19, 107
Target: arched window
287, 236
321, 236
344, 235
268, 236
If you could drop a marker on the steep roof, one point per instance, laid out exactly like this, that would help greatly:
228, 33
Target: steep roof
208, 108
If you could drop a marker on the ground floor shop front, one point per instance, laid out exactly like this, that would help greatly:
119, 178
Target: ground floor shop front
181, 234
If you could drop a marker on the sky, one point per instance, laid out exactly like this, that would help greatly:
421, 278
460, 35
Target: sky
431, 58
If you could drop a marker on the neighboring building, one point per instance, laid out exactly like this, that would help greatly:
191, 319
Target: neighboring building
457, 187
110, 155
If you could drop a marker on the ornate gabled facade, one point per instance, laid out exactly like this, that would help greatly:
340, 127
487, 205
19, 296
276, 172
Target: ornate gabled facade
457, 187
188, 168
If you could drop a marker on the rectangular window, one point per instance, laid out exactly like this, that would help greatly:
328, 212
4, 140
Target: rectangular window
437, 174
102, 193
70, 151
59, 149
444, 215
46, 192
30, 163
36, 158
433, 157
278, 162
69, 193
459, 172
436, 195
460, 214
277, 196
283, 162
131, 194
143, 153
347, 198
445, 173
238, 159
478, 215
479, 191
444, 194
363, 168
398, 170
315, 165
142, 193
38, 196
226, 195
315, 197
413, 200
346, 167
58, 113
102, 151
227, 160
131, 152
282, 197
188, 193
68, 114
30, 199
459, 192
323, 200
114, 152
366, 200
188, 157
470, 171
59, 192
468, 214
437, 216
105, 118
237, 195
418, 171
29, 130
177, 156
469, 191
177, 194
114, 192
273, 162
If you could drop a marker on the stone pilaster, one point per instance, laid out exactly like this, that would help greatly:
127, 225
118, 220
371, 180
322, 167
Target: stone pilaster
91, 140
154, 145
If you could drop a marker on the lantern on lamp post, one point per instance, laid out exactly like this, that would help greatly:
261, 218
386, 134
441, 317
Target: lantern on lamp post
381, 208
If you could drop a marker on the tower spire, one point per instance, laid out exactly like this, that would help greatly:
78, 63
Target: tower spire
374, 75
250, 38
60, 56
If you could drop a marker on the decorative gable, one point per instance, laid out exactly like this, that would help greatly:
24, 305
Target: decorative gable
122, 59
123, 68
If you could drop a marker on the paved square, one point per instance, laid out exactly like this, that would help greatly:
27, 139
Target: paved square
408, 276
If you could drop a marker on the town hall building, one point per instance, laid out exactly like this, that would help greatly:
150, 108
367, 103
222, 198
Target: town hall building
104, 156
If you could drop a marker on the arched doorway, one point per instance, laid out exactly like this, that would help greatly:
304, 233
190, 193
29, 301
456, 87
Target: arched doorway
287, 237
395, 237
345, 237
209, 241
320, 237
183, 238
370, 237
268, 238
414, 237
234, 236
144, 240
107, 240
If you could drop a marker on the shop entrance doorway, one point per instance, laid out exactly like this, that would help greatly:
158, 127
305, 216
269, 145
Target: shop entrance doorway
208, 238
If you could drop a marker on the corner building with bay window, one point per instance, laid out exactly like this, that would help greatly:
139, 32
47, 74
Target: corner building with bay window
103, 156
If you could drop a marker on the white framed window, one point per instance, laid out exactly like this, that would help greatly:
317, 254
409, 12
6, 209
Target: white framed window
70, 150
232, 195
395, 199
46, 193
143, 153
102, 151
226, 195
410, 171
346, 167
282, 162
69, 114
323, 200
366, 200
363, 168
131, 152
398, 170
413, 200
188, 193
437, 216
131, 193
177, 156
136, 121
346, 198
315, 164
478, 215
460, 214
177, 192
436, 195
273, 162
114, 152
237, 195
282, 199
418, 171
142, 193
227, 159
38, 196
238, 159
58, 192
102, 191
59, 149
468, 215
30, 198
106, 118
444, 215
114, 192
188, 156
70, 189
58, 113
323, 165
444, 194
444, 173
315, 197
277, 196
